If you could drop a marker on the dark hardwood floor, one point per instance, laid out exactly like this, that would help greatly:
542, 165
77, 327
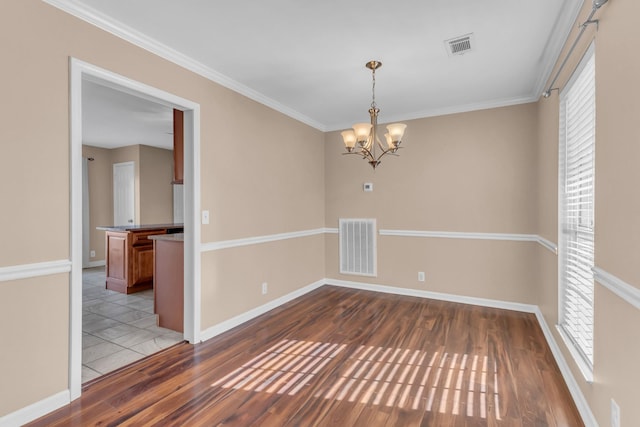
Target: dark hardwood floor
343, 357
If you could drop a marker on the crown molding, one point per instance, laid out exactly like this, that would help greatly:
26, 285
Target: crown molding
553, 48
135, 37
435, 112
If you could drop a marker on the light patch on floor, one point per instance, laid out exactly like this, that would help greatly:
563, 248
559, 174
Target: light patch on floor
284, 368
458, 384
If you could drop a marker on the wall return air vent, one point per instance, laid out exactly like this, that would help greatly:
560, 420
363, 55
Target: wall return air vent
358, 246
460, 45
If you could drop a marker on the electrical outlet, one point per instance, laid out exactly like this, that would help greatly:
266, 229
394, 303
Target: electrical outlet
264, 288
615, 414
420, 276
92, 254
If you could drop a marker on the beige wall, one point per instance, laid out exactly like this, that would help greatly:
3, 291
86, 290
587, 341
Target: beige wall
617, 241
236, 275
34, 314
476, 177
257, 179
272, 181
100, 196
473, 178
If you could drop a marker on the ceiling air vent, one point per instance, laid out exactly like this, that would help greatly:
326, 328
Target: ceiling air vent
459, 45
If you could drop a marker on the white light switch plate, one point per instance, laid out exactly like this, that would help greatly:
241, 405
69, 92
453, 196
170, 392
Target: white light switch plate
205, 217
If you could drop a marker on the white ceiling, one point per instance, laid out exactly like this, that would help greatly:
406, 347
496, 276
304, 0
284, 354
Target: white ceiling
307, 59
112, 119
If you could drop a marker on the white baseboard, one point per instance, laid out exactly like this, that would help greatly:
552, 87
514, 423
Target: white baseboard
505, 305
36, 410
581, 403
92, 264
245, 317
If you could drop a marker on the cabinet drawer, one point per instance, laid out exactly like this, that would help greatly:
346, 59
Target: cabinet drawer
142, 238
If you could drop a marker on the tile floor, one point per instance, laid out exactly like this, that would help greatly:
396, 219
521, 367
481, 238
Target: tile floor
117, 329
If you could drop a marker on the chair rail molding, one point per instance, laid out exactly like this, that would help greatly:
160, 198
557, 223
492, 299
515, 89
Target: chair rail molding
24, 271
627, 292
474, 236
248, 241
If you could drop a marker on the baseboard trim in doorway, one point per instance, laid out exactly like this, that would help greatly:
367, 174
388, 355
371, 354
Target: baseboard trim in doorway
94, 264
134, 364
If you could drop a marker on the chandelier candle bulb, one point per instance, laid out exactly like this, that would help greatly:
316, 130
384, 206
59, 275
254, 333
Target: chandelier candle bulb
365, 134
349, 138
362, 131
396, 130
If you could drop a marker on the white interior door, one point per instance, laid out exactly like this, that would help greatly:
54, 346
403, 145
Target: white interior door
124, 193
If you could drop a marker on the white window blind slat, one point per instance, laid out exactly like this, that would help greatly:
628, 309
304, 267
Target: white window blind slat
576, 190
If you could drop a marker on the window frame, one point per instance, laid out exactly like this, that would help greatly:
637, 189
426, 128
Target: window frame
584, 357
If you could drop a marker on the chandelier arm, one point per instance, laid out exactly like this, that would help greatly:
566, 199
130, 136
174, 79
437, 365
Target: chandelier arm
390, 151
366, 154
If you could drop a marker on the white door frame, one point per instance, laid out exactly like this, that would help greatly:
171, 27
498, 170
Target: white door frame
80, 71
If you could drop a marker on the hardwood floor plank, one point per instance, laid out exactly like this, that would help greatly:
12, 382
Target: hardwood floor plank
343, 357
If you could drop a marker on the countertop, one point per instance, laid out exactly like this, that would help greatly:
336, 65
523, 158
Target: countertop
141, 227
175, 237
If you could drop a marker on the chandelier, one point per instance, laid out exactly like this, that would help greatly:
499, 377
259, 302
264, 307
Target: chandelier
365, 134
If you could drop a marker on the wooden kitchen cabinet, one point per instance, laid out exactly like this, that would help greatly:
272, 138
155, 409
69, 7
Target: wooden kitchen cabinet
129, 253
178, 147
168, 281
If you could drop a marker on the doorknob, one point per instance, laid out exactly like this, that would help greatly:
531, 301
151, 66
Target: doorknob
130, 221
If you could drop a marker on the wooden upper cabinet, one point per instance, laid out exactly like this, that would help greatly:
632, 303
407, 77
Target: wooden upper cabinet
178, 147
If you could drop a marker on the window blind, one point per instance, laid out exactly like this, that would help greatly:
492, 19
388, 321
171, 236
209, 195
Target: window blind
577, 167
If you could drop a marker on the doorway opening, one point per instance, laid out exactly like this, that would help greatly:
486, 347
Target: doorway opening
84, 72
